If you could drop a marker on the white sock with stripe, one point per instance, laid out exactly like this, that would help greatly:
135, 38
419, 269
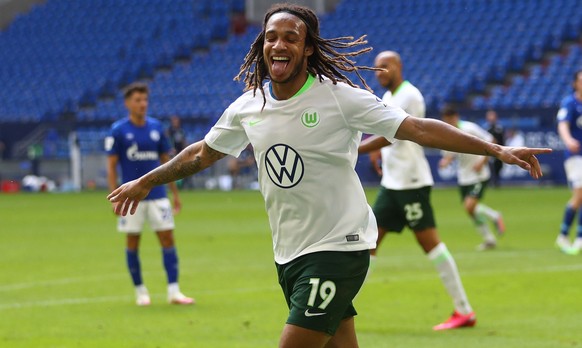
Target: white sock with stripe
491, 214
449, 274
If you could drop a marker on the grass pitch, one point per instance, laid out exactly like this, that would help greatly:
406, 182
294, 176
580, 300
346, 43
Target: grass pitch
63, 281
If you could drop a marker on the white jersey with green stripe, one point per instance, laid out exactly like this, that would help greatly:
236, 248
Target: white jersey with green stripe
306, 148
466, 174
404, 165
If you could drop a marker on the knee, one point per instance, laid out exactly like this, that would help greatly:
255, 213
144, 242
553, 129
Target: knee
470, 209
132, 242
167, 240
576, 201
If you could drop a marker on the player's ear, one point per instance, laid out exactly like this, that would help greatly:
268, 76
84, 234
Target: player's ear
308, 51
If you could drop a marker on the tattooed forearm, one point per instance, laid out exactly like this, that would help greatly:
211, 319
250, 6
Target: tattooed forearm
191, 160
212, 154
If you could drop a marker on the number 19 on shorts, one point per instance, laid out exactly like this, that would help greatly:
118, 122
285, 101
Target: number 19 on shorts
326, 291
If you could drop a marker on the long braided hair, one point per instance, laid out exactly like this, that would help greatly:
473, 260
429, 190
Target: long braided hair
325, 60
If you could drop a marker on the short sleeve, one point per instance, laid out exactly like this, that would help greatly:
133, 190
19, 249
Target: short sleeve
111, 144
564, 113
365, 112
228, 135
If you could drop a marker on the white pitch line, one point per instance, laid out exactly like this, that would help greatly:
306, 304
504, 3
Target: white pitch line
213, 292
63, 281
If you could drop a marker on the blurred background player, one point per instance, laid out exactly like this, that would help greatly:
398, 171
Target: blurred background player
570, 130
473, 174
138, 144
497, 131
404, 196
239, 164
177, 137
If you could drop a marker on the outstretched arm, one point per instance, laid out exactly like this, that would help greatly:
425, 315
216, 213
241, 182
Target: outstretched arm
191, 160
375, 142
437, 134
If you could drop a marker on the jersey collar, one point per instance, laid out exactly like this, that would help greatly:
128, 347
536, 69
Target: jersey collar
402, 85
308, 83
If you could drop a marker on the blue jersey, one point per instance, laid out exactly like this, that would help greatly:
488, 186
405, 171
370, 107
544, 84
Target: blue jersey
571, 112
138, 149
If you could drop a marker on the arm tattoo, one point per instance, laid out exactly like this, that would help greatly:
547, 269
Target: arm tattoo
191, 160
213, 154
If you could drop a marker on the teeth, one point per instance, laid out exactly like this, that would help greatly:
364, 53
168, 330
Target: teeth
281, 58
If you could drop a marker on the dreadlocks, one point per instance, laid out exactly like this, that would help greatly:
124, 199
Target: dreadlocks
325, 60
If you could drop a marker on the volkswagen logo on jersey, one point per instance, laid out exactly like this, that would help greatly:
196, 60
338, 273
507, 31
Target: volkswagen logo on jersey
284, 166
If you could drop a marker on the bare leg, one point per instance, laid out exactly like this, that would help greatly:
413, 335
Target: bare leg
132, 241
345, 336
381, 234
297, 337
166, 238
427, 238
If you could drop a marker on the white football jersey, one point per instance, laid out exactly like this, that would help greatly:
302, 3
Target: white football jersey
306, 148
404, 165
466, 175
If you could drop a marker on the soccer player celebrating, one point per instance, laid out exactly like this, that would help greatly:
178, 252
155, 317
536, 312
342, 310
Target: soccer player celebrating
473, 174
570, 130
138, 144
404, 196
305, 128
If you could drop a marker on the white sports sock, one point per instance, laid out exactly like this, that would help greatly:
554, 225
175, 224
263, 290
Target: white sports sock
484, 230
483, 210
173, 288
141, 290
449, 274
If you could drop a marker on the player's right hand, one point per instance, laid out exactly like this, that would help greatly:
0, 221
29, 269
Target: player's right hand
127, 196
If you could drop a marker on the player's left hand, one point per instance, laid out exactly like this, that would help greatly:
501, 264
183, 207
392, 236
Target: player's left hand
525, 158
376, 159
127, 197
177, 206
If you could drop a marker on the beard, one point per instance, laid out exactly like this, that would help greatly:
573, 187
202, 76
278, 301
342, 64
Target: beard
296, 70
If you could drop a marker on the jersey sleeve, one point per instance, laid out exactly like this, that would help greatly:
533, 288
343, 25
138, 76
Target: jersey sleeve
228, 135
365, 112
564, 113
111, 144
415, 105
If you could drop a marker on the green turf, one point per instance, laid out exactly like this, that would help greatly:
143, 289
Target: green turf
63, 281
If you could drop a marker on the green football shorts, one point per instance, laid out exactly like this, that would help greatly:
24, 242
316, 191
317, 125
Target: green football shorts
476, 190
395, 209
319, 287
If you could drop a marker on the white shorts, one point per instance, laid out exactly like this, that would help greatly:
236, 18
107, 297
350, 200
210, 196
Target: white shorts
573, 166
157, 212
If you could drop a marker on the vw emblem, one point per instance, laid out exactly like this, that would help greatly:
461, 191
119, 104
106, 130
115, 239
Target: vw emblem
284, 166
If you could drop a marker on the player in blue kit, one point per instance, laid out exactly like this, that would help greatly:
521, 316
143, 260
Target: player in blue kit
138, 144
570, 130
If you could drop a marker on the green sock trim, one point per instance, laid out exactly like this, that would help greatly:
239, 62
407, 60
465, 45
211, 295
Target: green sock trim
444, 256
